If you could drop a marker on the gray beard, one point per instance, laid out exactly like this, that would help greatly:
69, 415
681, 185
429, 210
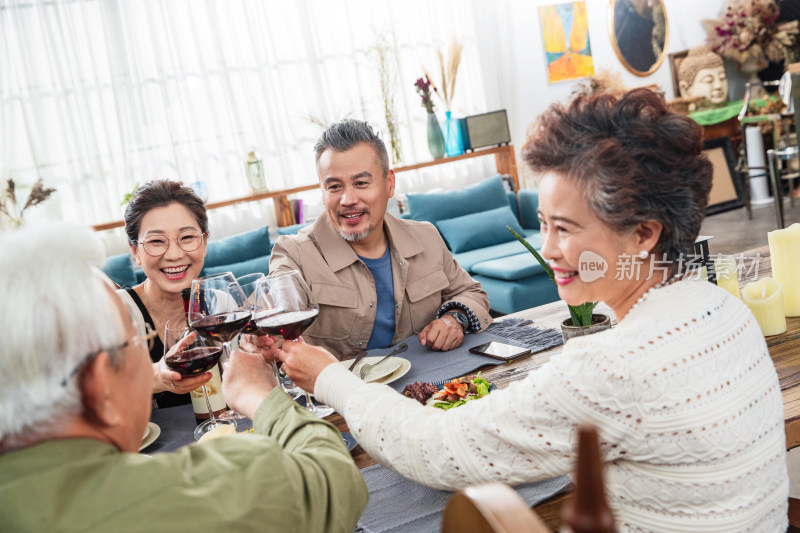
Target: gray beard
354, 237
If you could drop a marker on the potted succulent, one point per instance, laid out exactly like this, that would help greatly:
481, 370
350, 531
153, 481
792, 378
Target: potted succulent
582, 321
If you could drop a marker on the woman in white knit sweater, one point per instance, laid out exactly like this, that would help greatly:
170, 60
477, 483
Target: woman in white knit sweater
683, 390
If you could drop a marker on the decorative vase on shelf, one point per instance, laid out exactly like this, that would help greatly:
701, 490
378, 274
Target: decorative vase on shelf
435, 137
452, 136
752, 66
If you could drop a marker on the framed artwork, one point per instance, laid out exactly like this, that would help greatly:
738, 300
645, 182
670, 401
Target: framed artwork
727, 187
675, 59
639, 33
565, 31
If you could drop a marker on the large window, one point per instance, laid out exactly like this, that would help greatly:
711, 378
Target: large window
100, 94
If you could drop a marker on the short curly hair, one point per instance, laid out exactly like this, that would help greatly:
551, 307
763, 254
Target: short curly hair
634, 159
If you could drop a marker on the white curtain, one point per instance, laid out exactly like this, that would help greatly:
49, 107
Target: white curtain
97, 95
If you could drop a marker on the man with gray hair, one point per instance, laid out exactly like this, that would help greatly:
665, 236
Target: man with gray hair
378, 279
75, 386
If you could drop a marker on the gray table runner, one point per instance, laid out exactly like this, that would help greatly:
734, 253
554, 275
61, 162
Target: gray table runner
427, 365
419, 509
177, 426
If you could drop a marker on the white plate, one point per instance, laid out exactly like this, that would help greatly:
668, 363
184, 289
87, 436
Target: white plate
404, 365
150, 437
377, 372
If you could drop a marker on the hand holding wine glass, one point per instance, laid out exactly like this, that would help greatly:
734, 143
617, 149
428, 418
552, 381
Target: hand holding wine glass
295, 310
248, 380
217, 312
194, 355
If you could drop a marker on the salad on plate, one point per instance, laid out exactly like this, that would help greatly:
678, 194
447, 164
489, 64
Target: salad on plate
448, 394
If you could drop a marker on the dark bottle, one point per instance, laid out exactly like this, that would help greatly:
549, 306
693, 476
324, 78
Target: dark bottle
186, 294
587, 511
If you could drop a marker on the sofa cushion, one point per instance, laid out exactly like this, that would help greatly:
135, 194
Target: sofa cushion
512, 296
478, 230
120, 269
238, 248
434, 206
468, 259
510, 268
293, 229
528, 208
248, 266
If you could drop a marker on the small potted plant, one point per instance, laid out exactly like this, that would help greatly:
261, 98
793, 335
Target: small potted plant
582, 320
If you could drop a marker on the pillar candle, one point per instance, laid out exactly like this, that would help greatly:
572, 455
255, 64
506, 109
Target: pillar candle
784, 250
727, 274
765, 299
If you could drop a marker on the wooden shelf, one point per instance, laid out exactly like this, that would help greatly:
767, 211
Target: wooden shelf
277, 196
504, 159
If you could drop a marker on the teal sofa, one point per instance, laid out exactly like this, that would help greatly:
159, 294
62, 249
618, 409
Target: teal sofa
473, 223
245, 253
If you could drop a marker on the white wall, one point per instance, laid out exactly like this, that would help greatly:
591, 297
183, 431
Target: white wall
513, 59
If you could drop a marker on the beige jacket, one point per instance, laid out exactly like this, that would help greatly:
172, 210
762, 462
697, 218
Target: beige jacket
424, 274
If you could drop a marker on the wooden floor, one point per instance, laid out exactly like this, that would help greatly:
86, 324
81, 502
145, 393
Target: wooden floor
733, 232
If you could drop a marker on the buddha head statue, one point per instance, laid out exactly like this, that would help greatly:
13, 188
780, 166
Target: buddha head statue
702, 73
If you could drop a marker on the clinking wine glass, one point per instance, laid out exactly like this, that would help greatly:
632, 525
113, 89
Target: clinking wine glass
217, 311
194, 356
296, 309
255, 288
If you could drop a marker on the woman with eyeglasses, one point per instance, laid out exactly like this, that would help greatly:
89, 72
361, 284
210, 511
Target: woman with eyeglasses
167, 227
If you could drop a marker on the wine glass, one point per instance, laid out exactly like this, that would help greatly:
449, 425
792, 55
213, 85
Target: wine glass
263, 306
217, 312
295, 309
194, 356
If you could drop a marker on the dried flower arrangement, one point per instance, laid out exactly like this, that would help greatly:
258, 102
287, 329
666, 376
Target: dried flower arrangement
449, 71
10, 206
604, 80
749, 33
424, 86
385, 61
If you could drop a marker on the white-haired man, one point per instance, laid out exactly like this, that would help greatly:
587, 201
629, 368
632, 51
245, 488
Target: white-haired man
75, 386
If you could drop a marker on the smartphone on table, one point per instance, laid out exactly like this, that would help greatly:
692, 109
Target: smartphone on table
500, 350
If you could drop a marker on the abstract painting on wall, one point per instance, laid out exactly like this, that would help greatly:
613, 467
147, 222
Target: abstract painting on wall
565, 30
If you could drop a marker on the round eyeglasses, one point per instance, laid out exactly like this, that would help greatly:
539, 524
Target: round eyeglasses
156, 246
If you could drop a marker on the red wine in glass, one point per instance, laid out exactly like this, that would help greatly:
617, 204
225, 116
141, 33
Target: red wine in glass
222, 326
289, 325
194, 360
252, 326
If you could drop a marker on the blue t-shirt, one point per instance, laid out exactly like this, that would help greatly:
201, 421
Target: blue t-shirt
383, 328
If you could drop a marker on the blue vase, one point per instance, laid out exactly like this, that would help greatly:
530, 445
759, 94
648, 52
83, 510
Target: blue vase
452, 136
435, 137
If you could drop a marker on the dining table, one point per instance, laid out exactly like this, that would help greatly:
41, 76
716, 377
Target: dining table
783, 348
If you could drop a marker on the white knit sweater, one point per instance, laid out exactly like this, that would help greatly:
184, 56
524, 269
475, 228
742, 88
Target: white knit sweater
682, 390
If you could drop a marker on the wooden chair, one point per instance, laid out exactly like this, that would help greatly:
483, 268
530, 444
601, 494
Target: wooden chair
490, 508
794, 516
497, 508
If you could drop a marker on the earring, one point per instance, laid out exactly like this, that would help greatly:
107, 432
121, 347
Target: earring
643, 254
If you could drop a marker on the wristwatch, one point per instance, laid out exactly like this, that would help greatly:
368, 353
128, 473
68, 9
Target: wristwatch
460, 318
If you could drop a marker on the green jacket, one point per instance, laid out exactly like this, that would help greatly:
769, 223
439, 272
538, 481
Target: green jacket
293, 474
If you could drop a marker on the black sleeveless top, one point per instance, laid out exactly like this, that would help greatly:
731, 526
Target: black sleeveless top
166, 398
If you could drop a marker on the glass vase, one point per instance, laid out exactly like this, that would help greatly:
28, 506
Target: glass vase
435, 137
452, 136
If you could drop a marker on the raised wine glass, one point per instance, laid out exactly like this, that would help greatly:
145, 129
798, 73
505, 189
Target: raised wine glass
217, 311
296, 309
193, 355
255, 289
